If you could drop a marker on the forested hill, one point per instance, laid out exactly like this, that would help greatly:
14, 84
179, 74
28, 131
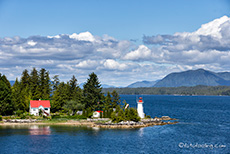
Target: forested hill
197, 90
194, 78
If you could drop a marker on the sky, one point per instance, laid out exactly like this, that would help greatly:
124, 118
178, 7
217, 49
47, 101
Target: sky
121, 41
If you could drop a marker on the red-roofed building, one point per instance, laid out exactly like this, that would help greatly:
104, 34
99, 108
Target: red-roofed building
96, 114
36, 105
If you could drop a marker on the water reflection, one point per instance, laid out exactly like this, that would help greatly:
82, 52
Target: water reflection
141, 132
36, 130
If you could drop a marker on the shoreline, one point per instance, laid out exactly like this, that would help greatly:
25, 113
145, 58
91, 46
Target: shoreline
93, 124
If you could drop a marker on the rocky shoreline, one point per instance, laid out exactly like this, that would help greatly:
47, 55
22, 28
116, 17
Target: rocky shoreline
132, 124
99, 123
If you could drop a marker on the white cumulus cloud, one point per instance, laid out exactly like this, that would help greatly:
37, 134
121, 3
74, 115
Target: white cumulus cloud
85, 36
142, 52
114, 65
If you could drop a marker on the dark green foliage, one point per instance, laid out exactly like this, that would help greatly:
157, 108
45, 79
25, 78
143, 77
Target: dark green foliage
18, 112
122, 114
40, 112
115, 99
0, 118
60, 96
58, 116
55, 83
88, 112
34, 85
25, 91
132, 115
6, 106
67, 96
118, 115
25, 79
93, 97
108, 100
73, 106
44, 84
74, 91
197, 90
148, 116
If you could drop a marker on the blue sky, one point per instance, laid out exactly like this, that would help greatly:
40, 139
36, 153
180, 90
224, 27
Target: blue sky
122, 19
104, 33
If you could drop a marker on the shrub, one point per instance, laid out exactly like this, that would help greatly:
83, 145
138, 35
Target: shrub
18, 112
0, 118
23, 116
55, 116
77, 117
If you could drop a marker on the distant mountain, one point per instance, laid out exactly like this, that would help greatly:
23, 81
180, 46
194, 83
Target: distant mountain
142, 84
194, 78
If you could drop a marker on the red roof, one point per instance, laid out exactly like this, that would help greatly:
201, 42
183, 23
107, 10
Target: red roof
37, 103
99, 111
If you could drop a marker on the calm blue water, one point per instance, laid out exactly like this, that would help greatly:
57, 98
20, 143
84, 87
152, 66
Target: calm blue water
204, 127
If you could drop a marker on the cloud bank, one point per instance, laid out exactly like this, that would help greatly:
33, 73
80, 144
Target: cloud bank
209, 46
119, 62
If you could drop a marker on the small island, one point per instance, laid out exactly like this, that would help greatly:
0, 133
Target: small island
36, 99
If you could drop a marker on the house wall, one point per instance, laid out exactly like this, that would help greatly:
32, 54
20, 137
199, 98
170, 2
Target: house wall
35, 111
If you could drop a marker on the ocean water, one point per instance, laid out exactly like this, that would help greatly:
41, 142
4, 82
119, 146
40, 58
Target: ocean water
204, 127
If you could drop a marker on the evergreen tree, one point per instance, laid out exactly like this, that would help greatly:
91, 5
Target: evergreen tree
108, 100
44, 84
47, 86
75, 91
73, 106
133, 115
93, 96
25, 80
115, 99
34, 84
55, 83
17, 97
25, 90
60, 97
6, 106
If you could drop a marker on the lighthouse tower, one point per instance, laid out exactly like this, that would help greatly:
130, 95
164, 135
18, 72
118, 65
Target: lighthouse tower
140, 108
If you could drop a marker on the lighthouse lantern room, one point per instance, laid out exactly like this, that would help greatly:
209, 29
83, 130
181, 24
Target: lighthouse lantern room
140, 108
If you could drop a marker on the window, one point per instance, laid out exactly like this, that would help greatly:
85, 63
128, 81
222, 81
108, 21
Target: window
34, 109
46, 108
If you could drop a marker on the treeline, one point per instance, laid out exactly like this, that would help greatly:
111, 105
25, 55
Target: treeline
65, 97
196, 90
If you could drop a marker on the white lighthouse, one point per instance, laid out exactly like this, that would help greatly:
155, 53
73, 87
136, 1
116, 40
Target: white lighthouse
140, 108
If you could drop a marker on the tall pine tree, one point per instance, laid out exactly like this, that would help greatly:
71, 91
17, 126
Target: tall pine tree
115, 99
60, 97
75, 91
6, 106
34, 84
93, 97
44, 84
25, 90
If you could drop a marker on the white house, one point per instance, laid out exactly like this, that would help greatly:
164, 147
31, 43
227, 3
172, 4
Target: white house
43, 105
